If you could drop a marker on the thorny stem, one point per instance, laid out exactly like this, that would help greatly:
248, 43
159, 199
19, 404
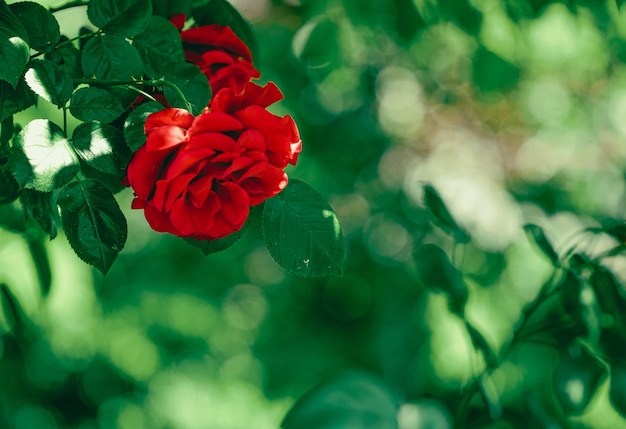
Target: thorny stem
67, 42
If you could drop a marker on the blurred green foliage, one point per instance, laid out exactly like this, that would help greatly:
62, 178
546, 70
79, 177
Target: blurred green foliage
512, 110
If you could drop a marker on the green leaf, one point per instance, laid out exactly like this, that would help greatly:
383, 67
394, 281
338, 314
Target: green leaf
111, 57
617, 389
41, 26
223, 13
39, 255
536, 234
208, 247
159, 46
95, 104
12, 312
14, 100
96, 144
93, 222
14, 48
352, 400
303, 233
44, 160
435, 271
49, 81
168, 8
68, 58
134, 125
315, 46
9, 188
492, 73
41, 206
441, 216
193, 84
577, 378
125, 18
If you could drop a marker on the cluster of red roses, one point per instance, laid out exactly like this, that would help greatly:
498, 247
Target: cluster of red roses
198, 176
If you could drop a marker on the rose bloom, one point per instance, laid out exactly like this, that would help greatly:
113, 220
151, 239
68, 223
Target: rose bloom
197, 176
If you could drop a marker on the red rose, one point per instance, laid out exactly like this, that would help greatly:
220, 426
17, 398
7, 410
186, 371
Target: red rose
197, 176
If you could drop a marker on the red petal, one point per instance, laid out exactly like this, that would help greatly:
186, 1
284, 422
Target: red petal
171, 116
217, 36
165, 137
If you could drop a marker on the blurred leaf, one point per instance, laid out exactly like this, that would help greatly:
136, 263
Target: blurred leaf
134, 133
479, 342
43, 158
316, 46
125, 18
95, 104
441, 216
208, 247
303, 233
435, 271
159, 46
41, 207
535, 232
41, 26
14, 100
10, 309
97, 145
223, 13
111, 57
39, 255
462, 12
49, 81
577, 377
93, 222
492, 73
353, 400
617, 389
14, 46
193, 84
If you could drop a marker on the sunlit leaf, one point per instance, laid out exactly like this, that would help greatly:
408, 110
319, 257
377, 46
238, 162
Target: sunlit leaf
93, 222
303, 233
96, 144
124, 18
41, 26
49, 81
353, 400
43, 159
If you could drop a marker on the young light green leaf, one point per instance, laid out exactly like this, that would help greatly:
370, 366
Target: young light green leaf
134, 124
351, 400
435, 271
223, 13
95, 104
535, 232
441, 215
43, 158
14, 46
193, 84
14, 100
49, 81
111, 57
159, 46
303, 233
95, 144
41, 26
93, 222
124, 18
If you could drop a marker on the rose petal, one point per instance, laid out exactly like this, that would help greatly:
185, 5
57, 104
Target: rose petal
171, 116
215, 121
216, 36
165, 137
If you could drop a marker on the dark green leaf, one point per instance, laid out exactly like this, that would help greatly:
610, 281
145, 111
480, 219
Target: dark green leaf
44, 159
14, 46
577, 377
617, 389
223, 13
49, 81
168, 8
40, 24
480, 343
95, 104
93, 222
159, 46
134, 125
435, 271
68, 58
14, 100
7, 129
111, 57
536, 234
492, 73
9, 188
41, 206
353, 400
193, 84
125, 18
208, 247
303, 233
39, 256
11, 310
441, 215
96, 145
